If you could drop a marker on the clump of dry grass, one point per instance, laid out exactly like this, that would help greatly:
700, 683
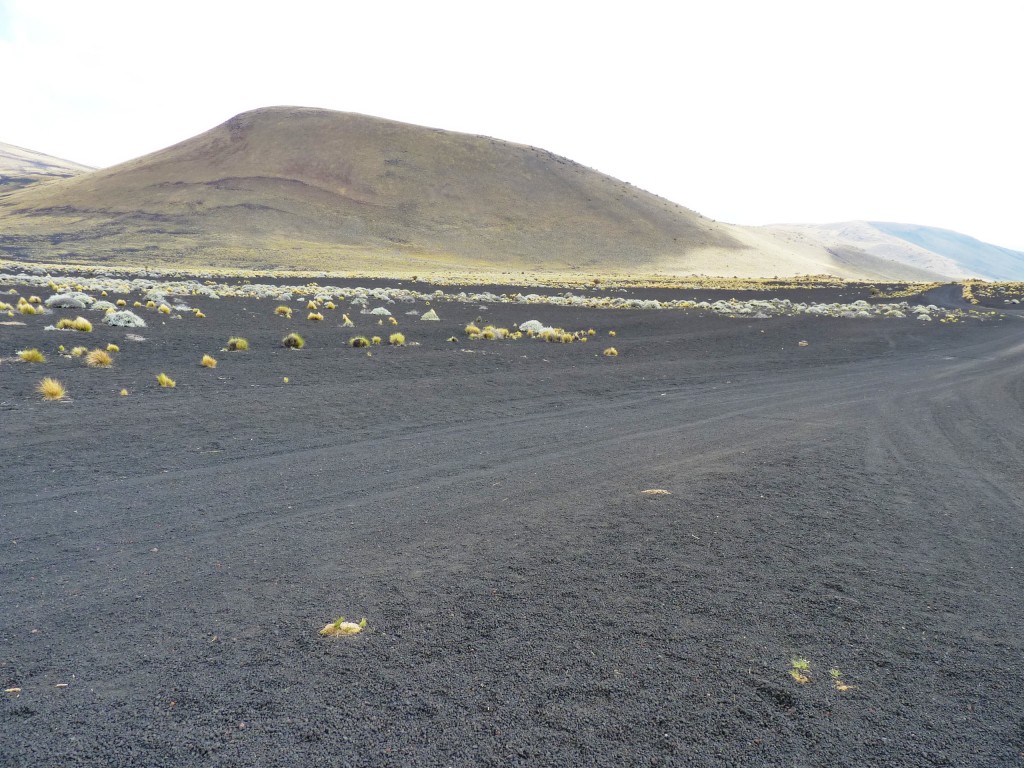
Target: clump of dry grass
79, 351
611, 352
163, 309
340, 627
65, 324
293, 341
312, 304
346, 321
98, 358
237, 344
359, 341
34, 300
396, 339
113, 348
81, 324
283, 311
166, 381
611, 333
32, 356
314, 316
199, 314
124, 393
208, 361
26, 309
151, 304
330, 305
376, 340
51, 389
472, 330
121, 303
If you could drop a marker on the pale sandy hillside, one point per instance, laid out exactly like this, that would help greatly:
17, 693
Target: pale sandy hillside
21, 167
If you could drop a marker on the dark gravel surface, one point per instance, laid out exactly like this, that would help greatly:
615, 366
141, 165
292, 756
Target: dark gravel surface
168, 557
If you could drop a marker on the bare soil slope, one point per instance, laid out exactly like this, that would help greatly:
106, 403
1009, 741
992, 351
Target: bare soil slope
310, 188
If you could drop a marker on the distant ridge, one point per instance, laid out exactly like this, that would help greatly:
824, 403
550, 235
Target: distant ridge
293, 187
974, 256
943, 251
21, 167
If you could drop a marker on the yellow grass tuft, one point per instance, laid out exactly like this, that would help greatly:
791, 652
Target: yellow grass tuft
346, 321
341, 628
121, 303
124, 393
32, 356
237, 344
200, 314
472, 330
283, 311
81, 324
113, 348
65, 324
136, 304
78, 351
34, 300
393, 321
98, 358
376, 340
164, 309
166, 381
315, 316
330, 305
611, 333
293, 341
208, 361
359, 341
396, 339
51, 389
312, 304
26, 309
611, 352
151, 304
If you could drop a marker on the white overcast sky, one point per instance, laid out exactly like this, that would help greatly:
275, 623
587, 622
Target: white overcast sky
751, 112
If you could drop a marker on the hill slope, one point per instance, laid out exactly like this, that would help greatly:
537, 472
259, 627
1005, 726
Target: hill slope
938, 250
315, 189
21, 167
974, 256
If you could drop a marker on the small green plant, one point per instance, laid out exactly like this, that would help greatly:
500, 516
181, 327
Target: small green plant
293, 341
237, 344
799, 670
165, 381
32, 356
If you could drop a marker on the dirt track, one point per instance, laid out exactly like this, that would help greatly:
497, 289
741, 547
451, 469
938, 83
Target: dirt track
170, 555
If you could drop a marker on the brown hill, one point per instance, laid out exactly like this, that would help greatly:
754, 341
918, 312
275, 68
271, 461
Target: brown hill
305, 188
21, 167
